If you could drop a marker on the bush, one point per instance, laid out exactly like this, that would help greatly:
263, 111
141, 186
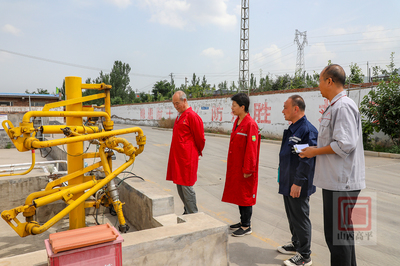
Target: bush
166, 123
395, 149
367, 131
381, 106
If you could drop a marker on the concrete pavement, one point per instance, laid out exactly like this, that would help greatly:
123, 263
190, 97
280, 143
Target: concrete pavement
269, 223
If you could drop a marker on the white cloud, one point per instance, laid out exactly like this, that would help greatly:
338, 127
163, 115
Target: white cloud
213, 53
171, 13
11, 29
318, 55
4, 56
186, 14
338, 31
120, 3
270, 58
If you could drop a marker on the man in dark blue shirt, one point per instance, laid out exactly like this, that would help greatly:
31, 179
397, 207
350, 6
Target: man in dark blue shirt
296, 180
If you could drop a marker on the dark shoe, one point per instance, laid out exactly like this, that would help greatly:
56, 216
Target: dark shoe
235, 226
242, 232
287, 249
297, 260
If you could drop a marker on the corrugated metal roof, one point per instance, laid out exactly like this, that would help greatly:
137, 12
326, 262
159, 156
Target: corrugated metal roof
19, 95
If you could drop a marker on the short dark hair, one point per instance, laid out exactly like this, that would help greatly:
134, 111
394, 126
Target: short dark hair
297, 100
242, 99
336, 73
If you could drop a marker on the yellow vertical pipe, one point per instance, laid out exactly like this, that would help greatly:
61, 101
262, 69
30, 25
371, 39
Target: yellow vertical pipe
107, 102
75, 150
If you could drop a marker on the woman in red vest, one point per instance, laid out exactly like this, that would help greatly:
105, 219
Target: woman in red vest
242, 167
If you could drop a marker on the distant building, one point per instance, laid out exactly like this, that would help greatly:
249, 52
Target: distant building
14, 105
24, 99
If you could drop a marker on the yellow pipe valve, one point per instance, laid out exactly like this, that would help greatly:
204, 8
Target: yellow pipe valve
27, 127
108, 125
129, 150
30, 211
30, 226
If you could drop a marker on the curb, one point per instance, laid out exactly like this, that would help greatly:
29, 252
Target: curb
382, 154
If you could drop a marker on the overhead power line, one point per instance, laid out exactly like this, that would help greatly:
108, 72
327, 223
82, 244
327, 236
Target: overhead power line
74, 65
354, 33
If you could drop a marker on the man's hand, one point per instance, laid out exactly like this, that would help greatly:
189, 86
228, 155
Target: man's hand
295, 191
246, 175
308, 152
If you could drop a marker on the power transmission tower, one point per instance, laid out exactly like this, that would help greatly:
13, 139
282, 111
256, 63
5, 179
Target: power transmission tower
301, 40
244, 49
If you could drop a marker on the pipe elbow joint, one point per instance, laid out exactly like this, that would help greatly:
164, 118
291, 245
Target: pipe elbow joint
141, 140
28, 143
129, 150
108, 125
33, 228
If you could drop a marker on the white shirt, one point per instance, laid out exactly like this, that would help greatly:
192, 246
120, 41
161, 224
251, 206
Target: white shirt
341, 129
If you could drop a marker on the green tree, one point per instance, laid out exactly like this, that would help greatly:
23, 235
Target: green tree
116, 100
62, 90
119, 79
233, 87
281, 83
162, 87
312, 81
103, 78
381, 106
223, 86
297, 81
265, 84
204, 85
375, 73
253, 82
356, 74
391, 68
195, 80
38, 91
146, 97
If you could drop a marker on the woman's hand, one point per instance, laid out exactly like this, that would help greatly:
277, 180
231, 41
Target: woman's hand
246, 175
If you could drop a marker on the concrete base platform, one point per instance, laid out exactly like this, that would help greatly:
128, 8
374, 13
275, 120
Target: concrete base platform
164, 238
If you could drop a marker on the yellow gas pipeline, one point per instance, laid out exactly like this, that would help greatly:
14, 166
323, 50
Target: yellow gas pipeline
76, 133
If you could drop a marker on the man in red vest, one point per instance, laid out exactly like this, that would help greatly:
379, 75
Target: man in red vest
186, 146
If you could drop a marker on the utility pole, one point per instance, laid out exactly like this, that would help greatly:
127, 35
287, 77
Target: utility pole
172, 83
186, 83
244, 49
301, 40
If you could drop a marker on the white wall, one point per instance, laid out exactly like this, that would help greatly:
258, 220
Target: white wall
23, 109
216, 112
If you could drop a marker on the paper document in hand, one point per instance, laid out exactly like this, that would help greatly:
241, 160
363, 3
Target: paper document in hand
299, 147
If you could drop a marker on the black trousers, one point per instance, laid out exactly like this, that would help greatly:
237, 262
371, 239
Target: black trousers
298, 212
245, 215
343, 254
